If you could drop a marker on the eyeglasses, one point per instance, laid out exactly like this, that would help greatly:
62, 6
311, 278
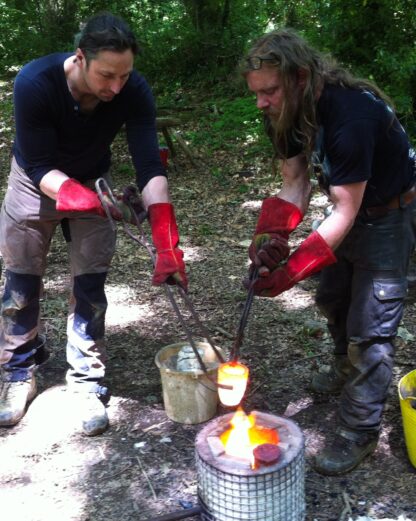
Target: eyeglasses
254, 63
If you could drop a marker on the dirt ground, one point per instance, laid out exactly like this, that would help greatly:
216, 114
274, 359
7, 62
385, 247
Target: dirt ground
143, 466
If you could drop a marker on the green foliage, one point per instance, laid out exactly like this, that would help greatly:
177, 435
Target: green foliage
376, 40
188, 43
229, 122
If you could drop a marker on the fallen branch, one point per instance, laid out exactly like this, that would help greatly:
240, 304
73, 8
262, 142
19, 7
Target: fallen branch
154, 426
306, 359
111, 476
224, 332
347, 509
147, 478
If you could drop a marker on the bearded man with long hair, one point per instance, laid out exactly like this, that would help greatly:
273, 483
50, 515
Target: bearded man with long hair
324, 122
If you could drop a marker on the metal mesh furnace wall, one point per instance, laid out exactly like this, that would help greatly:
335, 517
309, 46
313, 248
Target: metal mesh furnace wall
268, 494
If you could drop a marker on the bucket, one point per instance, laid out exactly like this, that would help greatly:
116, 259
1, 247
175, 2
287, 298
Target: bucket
407, 395
189, 396
164, 155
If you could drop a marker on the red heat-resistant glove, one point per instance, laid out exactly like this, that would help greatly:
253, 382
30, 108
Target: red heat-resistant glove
277, 219
75, 197
311, 256
169, 266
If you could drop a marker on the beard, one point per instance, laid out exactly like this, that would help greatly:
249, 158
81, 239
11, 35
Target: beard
285, 118
284, 128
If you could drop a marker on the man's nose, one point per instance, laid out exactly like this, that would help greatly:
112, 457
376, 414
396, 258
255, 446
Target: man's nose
116, 86
262, 101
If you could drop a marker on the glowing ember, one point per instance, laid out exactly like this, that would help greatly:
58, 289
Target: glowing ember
236, 375
244, 436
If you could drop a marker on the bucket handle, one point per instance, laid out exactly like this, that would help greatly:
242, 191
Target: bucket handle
209, 388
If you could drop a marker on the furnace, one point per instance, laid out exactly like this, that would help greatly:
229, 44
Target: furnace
241, 488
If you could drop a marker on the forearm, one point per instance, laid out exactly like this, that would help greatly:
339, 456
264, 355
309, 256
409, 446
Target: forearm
335, 228
156, 191
296, 187
52, 182
347, 201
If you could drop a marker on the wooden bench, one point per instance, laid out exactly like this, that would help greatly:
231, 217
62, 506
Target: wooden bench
167, 125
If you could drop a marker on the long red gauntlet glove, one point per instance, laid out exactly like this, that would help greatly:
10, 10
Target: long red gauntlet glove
277, 219
311, 256
169, 267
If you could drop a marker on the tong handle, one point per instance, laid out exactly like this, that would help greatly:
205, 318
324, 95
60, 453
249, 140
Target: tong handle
103, 190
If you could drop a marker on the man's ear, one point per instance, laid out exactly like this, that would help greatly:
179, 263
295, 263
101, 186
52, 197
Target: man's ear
80, 57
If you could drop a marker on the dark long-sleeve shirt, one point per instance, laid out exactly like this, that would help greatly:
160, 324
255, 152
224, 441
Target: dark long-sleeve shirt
52, 133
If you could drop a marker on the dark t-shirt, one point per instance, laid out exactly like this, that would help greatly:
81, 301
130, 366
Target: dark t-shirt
52, 133
360, 139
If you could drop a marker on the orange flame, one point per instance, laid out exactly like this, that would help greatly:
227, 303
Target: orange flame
244, 436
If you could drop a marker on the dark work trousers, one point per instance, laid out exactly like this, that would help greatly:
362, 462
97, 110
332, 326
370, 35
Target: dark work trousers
362, 297
28, 221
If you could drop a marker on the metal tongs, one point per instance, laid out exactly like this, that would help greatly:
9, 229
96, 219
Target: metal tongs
235, 351
104, 193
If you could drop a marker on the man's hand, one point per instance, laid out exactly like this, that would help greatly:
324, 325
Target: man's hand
267, 251
311, 256
131, 205
169, 266
277, 219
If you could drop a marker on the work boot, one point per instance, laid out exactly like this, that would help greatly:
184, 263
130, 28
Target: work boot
331, 379
14, 397
91, 411
346, 451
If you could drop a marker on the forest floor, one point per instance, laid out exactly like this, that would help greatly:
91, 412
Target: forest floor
143, 466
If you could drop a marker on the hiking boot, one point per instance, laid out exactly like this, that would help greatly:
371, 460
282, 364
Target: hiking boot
91, 410
345, 452
14, 397
331, 379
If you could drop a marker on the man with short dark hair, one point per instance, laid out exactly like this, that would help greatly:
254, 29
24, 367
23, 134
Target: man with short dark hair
68, 109
322, 119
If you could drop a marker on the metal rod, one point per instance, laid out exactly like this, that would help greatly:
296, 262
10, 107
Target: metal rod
101, 184
235, 351
101, 181
203, 329
188, 333
179, 514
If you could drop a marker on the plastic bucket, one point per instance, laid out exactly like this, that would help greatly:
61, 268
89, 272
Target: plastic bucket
164, 155
189, 396
407, 395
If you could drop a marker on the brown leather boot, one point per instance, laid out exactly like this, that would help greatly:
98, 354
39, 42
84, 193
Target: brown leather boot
345, 452
332, 379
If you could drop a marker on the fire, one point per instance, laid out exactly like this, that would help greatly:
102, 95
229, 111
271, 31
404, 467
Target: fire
244, 436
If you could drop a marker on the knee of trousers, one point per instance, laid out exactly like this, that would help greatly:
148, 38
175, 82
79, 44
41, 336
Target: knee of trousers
366, 356
20, 303
90, 305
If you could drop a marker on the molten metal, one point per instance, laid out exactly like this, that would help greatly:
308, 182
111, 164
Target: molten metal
235, 375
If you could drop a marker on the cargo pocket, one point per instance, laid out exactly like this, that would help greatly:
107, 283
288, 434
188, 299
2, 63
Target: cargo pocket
389, 295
